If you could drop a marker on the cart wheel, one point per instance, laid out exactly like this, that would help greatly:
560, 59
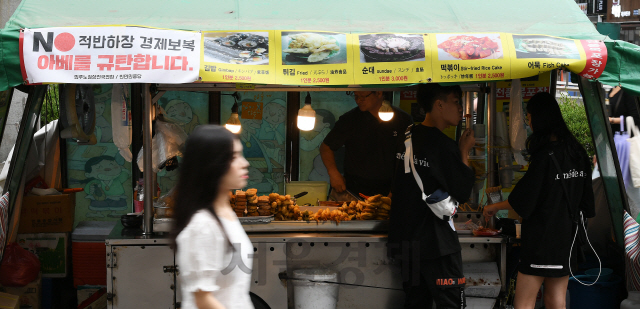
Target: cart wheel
258, 303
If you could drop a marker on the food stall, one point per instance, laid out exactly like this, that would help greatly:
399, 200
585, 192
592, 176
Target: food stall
257, 63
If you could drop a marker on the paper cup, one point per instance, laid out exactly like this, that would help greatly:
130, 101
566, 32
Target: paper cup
518, 229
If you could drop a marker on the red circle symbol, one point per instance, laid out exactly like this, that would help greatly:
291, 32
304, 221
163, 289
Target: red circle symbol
64, 42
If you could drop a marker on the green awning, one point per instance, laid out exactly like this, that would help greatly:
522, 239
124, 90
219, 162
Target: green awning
560, 18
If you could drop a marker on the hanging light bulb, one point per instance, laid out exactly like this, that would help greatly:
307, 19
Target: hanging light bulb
233, 124
306, 115
385, 112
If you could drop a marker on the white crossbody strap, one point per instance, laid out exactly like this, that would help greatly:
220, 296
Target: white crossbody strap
409, 163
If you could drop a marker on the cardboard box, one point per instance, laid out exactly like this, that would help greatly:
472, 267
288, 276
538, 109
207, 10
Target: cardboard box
29, 294
9, 301
47, 214
88, 299
51, 249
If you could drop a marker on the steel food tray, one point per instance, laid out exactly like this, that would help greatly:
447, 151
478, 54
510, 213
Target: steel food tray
319, 226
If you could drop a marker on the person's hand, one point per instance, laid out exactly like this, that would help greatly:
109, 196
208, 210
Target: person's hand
489, 211
467, 140
338, 182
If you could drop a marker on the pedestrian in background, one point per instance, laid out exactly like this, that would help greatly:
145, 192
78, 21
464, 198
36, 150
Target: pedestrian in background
212, 249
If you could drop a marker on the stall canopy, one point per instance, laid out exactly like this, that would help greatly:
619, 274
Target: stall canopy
561, 18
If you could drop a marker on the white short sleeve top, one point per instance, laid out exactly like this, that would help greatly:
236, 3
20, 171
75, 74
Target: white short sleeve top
207, 263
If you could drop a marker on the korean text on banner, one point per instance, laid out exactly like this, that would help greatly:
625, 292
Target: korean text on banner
240, 57
109, 55
313, 58
470, 57
596, 54
388, 58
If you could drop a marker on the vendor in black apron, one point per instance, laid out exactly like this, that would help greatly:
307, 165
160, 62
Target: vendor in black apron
369, 143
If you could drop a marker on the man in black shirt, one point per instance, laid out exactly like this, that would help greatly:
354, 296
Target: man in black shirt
369, 143
427, 246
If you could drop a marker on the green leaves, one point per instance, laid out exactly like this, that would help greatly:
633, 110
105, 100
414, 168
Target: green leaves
51, 106
575, 116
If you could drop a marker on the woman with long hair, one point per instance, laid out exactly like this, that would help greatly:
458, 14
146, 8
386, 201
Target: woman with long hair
212, 249
553, 197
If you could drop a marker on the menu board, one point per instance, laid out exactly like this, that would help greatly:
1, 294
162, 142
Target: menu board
321, 58
238, 57
313, 58
535, 54
470, 57
390, 58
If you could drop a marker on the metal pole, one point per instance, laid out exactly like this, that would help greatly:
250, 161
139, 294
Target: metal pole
148, 169
491, 131
468, 109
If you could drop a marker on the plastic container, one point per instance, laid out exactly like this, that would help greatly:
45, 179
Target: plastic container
308, 293
602, 295
632, 302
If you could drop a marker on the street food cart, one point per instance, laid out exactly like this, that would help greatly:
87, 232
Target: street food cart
280, 52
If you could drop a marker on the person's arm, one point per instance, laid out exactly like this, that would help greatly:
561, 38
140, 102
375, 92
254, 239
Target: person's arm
329, 160
466, 143
491, 209
205, 300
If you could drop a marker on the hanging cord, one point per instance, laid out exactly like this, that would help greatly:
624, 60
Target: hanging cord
594, 251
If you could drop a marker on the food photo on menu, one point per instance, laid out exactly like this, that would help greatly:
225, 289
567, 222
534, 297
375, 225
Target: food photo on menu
250, 48
539, 46
469, 46
391, 47
313, 48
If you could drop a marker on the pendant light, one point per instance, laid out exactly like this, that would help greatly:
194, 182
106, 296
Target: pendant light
385, 112
233, 124
306, 115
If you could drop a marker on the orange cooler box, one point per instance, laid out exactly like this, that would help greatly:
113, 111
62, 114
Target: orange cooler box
89, 252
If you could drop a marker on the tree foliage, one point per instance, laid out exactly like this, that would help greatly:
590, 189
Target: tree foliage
575, 116
51, 106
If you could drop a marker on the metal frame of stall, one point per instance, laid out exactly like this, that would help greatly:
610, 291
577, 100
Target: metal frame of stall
591, 91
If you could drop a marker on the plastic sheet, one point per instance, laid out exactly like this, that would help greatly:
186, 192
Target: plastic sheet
166, 144
517, 132
120, 123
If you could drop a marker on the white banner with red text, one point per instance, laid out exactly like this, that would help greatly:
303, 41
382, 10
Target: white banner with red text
119, 54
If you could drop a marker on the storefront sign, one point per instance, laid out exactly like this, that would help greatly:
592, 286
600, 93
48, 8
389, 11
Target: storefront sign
596, 55
600, 7
536, 54
86, 55
330, 58
470, 57
313, 58
583, 7
238, 57
616, 10
391, 58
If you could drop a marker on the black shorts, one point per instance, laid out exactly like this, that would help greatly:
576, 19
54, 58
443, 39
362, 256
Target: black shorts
440, 280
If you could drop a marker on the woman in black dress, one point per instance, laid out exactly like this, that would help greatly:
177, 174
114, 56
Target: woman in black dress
553, 196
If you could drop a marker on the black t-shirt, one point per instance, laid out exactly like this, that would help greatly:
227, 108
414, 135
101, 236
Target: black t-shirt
437, 161
370, 148
539, 198
623, 104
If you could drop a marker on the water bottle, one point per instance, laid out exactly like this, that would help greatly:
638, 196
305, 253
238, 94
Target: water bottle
138, 201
